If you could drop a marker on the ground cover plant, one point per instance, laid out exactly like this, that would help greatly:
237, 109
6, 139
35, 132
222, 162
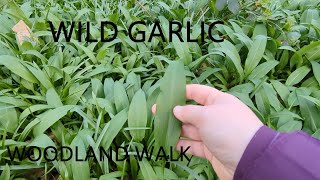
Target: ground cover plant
82, 95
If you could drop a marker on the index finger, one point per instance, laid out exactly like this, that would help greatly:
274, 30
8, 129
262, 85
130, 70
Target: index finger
202, 94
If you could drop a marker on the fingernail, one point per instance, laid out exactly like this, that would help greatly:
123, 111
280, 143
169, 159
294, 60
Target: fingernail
177, 109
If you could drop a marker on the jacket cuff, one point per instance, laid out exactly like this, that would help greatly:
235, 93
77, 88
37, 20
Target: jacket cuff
260, 142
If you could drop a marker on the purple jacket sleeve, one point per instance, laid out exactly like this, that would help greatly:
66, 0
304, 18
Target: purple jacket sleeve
274, 155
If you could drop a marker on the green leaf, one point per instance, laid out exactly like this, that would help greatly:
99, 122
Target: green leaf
244, 39
37, 54
305, 49
297, 76
310, 83
53, 99
32, 109
262, 69
309, 112
262, 102
255, 53
23, 167
172, 93
285, 113
120, 96
17, 13
109, 89
313, 54
207, 72
315, 70
260, 29
137, 116
166, 173
220, 4
316, 134
281, 89
5, 175
131, 61
80, 169
234, 6
152, 94
308, 15
231, 51
50, 117
13, 101
287, 48
41, 76
8, 117
196, 63
134, 84
272, 96
291, 126
114, 175
182, 50
147, 170
104, 103
116, 125
14, 65
189, 170
75, 93
97, 88
283, 60
312, 99
87, 51
42, 141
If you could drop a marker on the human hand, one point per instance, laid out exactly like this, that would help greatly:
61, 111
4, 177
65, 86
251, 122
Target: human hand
219, 129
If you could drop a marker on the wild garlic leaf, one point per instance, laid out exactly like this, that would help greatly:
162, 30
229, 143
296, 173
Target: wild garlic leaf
137, 116
297, 76
172, 93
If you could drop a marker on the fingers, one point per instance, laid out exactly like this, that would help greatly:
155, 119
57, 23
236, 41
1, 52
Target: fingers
190, 132
187, 130
195, 148
202, 94
154, 109
189, 114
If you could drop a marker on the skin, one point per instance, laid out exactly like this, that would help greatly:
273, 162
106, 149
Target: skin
219, 128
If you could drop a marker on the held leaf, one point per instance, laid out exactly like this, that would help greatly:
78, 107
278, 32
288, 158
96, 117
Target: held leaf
172, 93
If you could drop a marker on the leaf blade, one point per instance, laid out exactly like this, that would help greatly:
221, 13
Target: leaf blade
173, 90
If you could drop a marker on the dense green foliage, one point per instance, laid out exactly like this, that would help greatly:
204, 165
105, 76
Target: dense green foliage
100, 94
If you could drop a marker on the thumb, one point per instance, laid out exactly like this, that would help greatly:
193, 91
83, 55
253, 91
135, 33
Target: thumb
189, 114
